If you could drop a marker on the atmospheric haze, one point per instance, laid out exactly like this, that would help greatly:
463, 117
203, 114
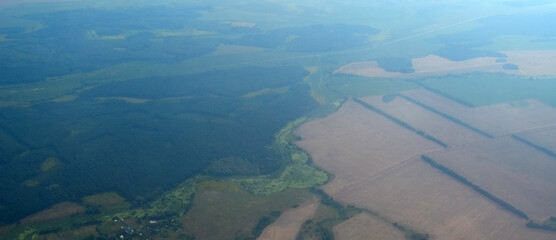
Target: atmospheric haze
274, 119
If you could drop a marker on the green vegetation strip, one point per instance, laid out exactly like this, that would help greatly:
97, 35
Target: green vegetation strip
538, 147
297, 174
549, 224
447, 116
475, 187
400, 122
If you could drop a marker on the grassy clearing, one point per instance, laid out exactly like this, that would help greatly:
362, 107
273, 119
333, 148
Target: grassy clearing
491, 88
105, 200
49, 164
355, 86
31, 182
233, 211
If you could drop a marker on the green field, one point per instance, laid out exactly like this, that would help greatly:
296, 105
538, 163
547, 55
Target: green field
491, 88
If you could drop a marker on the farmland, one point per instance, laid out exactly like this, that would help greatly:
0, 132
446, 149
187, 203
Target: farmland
366, 227
373, 145
203, 119
239, 213
356, 143
508, 118
448, 132
527, 63
428, 200
542, 138
519, 174
288, 224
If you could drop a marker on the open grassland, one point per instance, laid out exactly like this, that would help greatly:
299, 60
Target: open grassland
481, 89
526, 63
366, 69
58, 211
497, 120
105, 200
223, 210
542, 137
288, 224
517, 173
356, 143
422, 119
357, 86
80, 233
365, 227
430, 201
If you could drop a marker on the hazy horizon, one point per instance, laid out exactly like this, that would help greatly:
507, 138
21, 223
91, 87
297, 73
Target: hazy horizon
277, 119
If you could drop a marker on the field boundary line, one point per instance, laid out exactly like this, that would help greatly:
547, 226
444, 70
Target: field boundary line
407, 161
400, 123
476, 188
446, 116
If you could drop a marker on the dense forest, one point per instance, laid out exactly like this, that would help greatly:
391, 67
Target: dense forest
188, 125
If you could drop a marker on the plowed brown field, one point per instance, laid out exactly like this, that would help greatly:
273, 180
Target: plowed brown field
365, 227
356, 143
377, 166
498, 119
517, 173
543, 137
430, 201
288, 224
448, 132
530, 63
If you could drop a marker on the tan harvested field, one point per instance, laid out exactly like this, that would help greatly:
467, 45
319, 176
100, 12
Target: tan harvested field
356, 143
530, 63
365, 227
288, 224
509, 169
377, 166
58, 211
498, 119
433, 64
422, 197
533, 63
432, 124
544, 137
366, 69
428, 65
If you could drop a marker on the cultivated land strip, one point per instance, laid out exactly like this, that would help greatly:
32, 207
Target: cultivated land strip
400, 122
534, 145
446, 116
475, 187
287, 226
366, 227
383, 190
448, 132
496, 119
